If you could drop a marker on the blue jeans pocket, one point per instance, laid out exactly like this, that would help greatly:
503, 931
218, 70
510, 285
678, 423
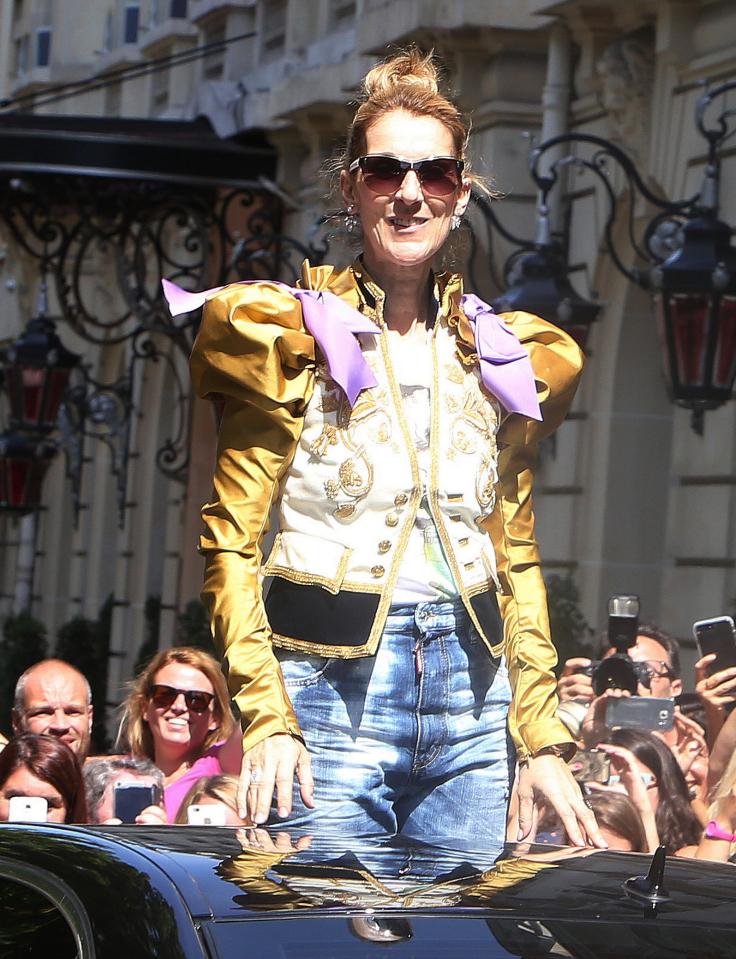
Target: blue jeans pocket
300, 669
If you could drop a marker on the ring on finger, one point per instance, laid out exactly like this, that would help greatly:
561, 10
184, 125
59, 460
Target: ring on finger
256, 777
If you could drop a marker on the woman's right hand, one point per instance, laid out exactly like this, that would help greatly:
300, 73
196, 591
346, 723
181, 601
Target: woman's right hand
269, 767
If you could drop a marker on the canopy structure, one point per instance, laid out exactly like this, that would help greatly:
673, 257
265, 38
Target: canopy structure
171, 151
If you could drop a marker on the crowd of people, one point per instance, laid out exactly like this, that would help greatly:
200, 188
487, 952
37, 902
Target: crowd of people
671, 787
177, 735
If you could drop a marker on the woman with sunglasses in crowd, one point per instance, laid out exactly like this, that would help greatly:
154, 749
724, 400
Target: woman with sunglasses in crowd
178, 715
394, 420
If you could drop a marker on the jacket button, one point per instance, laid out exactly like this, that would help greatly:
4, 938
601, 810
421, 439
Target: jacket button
401, 500
384, 546
377, 571
392, 520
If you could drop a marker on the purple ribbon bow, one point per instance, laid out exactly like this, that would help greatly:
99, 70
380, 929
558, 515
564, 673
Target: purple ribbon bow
331, 321
505, 367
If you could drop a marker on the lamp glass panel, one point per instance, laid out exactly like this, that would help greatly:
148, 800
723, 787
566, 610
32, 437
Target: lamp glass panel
724, 369
33, 379
57, 384
18, 475
688, 314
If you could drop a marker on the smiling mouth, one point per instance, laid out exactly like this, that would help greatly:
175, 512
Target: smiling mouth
406, 222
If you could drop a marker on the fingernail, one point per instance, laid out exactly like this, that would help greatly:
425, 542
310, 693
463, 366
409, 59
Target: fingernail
260, 818
520, 835
283, 812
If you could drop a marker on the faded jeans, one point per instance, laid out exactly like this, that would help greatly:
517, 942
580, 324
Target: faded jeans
411, 741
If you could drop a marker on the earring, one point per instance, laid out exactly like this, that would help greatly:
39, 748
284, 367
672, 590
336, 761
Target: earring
456, 221
351, 219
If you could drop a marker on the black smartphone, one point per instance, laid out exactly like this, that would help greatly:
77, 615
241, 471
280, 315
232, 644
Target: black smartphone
590, 766
130, 799
717, 636
649, 713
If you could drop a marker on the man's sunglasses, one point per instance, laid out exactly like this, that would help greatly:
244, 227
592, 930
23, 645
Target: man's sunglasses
196, 700
648, 669
438, 176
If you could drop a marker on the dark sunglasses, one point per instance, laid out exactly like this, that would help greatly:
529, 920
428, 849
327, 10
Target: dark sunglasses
438, 176
196, 700
649, 669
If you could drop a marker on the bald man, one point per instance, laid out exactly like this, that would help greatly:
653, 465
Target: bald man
54, 698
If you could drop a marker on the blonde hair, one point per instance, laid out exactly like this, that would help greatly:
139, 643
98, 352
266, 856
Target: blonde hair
411, 81
223, 789
722, 790
134, 732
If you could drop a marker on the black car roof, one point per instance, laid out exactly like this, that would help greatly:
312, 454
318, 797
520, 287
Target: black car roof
216, 877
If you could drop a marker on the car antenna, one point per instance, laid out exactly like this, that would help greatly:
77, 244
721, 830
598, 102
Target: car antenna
650, 889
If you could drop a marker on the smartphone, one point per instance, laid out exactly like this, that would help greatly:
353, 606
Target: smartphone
130, 799
590, 766
716, 636
649, 713
27, 809
206, 815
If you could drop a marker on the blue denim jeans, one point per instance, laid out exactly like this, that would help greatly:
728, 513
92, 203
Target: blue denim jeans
413, 740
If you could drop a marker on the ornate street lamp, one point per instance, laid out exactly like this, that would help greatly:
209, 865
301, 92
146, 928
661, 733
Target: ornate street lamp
696, 290
691, 263
36, 371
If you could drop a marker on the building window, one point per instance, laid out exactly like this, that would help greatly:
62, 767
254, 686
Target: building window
130, 23
107, 34
113, 99
213, 62
160, 90
178, 9
21, 55
273, 28
342, 12
43, 46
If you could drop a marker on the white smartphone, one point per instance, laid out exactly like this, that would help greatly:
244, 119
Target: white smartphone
206, 815
27, 809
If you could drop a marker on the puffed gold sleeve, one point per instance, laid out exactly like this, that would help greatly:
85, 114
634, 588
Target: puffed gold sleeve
530, 654
253, 353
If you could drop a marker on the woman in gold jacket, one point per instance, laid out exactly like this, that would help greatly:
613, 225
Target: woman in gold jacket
393, 420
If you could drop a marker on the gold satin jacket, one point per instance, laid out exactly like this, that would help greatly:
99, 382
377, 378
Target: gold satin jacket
254, 353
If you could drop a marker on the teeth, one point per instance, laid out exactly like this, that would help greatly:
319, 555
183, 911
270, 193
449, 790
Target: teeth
408, 221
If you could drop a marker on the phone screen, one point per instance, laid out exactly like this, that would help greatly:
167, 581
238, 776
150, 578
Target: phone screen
716, 636
132, 798
27, 809
590, 765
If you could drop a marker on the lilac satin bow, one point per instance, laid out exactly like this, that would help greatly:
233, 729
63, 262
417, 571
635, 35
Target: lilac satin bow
330, 320
505, 367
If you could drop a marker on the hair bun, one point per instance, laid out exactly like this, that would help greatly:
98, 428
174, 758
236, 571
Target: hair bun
410, 68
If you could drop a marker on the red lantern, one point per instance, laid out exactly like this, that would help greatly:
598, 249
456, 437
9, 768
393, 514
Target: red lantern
36, 369
696, 311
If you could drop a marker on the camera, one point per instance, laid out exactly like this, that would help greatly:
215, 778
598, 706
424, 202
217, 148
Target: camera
619, 671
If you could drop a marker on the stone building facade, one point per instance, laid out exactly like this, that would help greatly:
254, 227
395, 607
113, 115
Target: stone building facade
629, 498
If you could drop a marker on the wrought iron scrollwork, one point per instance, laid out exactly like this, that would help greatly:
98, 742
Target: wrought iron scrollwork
107, 244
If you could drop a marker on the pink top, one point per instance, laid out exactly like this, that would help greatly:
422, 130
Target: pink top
207, 765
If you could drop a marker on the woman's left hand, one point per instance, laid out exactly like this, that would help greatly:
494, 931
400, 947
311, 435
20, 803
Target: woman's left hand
549, 776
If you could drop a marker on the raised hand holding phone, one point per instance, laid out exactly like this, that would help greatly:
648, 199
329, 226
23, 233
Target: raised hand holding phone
130, 799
